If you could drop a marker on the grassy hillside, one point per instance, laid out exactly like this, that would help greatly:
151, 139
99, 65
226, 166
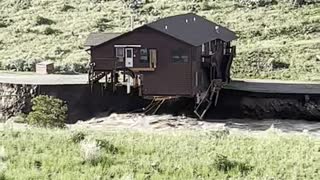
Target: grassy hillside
276, 40
51, 154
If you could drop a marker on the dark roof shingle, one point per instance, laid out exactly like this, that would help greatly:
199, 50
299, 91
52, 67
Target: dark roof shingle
189, 28
95, 39
193, 29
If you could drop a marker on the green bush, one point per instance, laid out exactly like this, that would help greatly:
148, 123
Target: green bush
102, 24
47, 112
43, 21
50, 31
78, 137
66, 8
259, 3
222, 163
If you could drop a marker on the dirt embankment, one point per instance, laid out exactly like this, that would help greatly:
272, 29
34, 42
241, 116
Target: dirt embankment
84, 103
241, 104
15, 99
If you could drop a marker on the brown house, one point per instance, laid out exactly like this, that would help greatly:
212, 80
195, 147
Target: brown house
179, 56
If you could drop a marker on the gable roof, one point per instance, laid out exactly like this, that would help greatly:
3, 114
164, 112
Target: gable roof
189, 28
193, 29
95, 39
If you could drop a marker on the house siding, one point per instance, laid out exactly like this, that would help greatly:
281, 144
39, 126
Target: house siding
169, 78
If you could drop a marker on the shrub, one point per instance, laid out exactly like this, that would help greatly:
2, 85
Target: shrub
50, 31
103, 24
3, 24
47, 112
205, 6
219, 134
90, 151
19, 118
259, 3
78, 137
43, 21
222, 163
107, 146
20, 64
275, 64
3, 158
15, 64
66, 7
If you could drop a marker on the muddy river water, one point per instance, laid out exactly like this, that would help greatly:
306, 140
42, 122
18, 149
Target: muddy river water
169, 122
156, 123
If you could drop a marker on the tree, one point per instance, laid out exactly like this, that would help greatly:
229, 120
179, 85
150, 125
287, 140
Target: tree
47, 112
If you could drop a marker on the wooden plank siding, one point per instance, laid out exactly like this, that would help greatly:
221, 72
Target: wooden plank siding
168, 78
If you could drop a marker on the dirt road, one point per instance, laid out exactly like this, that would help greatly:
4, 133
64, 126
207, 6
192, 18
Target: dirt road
39, 79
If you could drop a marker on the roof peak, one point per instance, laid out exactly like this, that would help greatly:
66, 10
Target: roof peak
192, 28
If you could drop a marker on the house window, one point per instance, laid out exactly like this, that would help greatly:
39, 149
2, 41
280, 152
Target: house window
153, 58
180, 56
144, 55
120, 53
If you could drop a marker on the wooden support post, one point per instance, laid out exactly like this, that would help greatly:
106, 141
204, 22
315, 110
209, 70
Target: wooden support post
112, 81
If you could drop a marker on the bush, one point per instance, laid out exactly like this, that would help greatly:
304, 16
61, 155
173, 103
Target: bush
103, 23
47, 112
107, 146
90, 151
50, 31
3, 24
222, 163
43, 21
259, 3
205, 6
20, 64
66, 8
78, 137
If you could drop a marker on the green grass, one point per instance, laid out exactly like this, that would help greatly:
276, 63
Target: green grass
35, 30
57, 154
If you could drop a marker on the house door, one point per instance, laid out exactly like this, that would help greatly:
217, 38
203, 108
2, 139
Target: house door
129, 57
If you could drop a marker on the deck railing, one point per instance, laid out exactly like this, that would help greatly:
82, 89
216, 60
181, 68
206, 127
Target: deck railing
107, 63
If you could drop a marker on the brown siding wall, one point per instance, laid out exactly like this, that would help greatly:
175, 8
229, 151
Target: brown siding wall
169, 78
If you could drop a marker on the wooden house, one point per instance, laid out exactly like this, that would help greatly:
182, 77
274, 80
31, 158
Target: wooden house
179, 56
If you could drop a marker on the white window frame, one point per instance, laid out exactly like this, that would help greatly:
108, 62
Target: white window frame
128, 46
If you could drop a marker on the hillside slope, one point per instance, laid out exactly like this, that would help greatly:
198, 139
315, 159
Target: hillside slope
276, 40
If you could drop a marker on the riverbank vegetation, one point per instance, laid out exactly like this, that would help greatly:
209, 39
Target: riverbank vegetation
62, 154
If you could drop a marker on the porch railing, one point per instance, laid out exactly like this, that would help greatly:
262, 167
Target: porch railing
107, 64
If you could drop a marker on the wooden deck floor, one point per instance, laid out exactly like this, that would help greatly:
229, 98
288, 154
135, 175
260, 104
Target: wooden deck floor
275, 86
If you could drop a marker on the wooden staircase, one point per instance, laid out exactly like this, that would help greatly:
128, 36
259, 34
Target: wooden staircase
210, 97
95, 77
